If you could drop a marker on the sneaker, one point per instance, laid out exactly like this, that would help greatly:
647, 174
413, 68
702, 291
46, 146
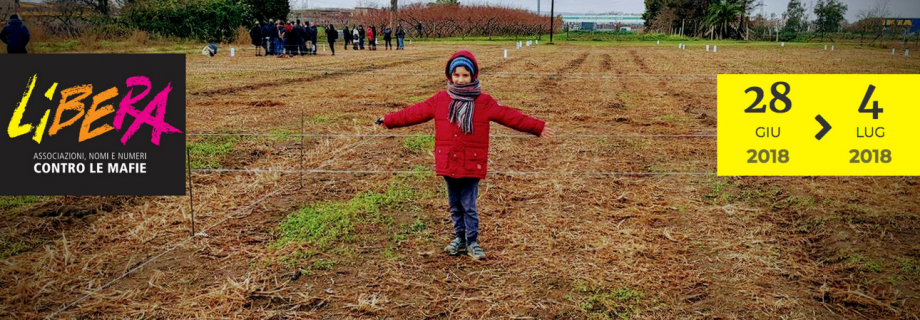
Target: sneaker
455, 247
475, 251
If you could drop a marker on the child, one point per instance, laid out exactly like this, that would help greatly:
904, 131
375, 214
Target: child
461, 118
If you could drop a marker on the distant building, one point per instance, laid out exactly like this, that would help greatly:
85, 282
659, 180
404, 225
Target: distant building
602, 22
322, 17
902, 25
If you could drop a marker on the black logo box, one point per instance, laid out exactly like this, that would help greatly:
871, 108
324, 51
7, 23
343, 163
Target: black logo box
165, 163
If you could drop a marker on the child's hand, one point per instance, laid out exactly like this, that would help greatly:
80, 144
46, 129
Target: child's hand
548, 133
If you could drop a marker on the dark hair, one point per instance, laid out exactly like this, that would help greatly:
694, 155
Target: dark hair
14, 16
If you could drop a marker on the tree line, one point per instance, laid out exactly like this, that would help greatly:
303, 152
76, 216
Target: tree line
220, 20
446, 18
734, 19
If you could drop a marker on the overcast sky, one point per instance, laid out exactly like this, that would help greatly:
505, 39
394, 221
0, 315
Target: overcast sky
902, 8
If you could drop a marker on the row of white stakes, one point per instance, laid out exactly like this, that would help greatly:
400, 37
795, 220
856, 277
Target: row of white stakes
521, 44
782, 44
682, 46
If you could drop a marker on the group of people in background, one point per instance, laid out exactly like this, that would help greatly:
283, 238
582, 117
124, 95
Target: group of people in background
284, 39
277, 38
359, 33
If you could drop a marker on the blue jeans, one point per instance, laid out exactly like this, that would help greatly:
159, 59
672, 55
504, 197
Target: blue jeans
279, 46
462, 194
399, 43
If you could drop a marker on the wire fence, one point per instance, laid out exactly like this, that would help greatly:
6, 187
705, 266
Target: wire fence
391, 172
367, 137
332, 135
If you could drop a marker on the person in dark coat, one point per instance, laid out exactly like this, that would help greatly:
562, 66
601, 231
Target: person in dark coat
346, 36
291, 39
388, 38
267, 38
313, 36
301, 29
361, 37
331, 36
400, 38
274, 35
255, 36
15, 35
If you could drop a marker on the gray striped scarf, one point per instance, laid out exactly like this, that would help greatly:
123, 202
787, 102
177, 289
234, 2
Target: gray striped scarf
461, 108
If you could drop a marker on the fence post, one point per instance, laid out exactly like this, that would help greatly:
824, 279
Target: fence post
191, 201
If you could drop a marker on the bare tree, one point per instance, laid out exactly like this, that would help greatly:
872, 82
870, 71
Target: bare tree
102, 7
8, 7
870, 20
69, 17
878, 10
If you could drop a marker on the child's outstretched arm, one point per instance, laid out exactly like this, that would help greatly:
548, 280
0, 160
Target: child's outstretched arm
517, 120
416, 114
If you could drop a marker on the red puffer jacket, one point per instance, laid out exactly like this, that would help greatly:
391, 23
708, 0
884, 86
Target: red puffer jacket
459, 155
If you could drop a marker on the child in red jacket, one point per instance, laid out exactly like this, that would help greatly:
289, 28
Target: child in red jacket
461, 118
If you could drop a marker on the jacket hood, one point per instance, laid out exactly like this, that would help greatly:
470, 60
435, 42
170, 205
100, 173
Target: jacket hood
15, 22
465, 54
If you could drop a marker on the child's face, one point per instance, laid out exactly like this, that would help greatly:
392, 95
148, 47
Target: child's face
461, 76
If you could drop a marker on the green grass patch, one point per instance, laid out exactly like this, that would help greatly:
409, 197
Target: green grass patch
874, 266
417, 227
391, 253
207, 152
719, 194
416, 99
910, 265
10, 247
283, 135
13, 202
596, 303
55, 46
860, 262
423, 144
318, 119
322, 264
811, 223
794, 202
326, 223
299, 258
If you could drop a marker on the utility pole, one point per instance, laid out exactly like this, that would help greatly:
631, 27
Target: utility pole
552, 19
393, 4
538, 7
